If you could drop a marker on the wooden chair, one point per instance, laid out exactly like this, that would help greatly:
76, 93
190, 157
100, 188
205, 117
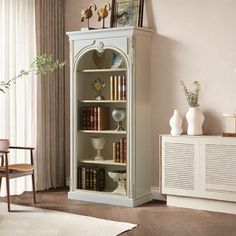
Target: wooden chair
15, 170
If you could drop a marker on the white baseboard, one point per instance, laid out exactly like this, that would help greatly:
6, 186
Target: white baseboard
202, 204
156, 193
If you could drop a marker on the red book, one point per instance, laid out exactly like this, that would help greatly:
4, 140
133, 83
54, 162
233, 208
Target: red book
121, 150
95, 109
92, 118
88, 118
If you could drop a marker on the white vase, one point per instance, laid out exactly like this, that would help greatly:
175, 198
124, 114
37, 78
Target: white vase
195, 120
176, 123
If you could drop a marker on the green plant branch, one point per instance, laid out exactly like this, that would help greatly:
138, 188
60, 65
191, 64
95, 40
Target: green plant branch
42, 65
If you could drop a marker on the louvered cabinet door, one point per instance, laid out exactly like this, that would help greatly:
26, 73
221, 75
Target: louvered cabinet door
218, 168
180, 165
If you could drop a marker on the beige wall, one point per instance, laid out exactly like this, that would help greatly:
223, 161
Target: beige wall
193, 40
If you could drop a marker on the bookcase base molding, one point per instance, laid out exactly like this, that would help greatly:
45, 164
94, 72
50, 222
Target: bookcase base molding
109, 199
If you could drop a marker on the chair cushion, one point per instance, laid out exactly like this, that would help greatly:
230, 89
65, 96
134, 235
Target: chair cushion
18, 167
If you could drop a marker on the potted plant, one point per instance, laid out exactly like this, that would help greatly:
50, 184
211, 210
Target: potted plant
194, 116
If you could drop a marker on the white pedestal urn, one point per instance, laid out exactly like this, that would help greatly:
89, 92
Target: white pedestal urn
176, 124
195, 119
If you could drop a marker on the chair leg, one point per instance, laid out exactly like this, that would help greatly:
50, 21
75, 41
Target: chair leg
8, 192
33, 185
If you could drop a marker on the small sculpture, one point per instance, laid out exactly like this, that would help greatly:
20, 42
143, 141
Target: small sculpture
118, 115
98, 144
119, 176
103, 13
88, 13
176, 124
99, 85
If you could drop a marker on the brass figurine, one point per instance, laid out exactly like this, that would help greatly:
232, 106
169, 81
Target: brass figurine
88, 13
103, 13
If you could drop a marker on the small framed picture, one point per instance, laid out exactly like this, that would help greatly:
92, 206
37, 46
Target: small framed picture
127, 13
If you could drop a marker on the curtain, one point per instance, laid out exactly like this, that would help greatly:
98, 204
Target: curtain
17, 106
50, 100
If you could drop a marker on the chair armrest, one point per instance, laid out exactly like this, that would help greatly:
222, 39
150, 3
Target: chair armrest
4, 152
25, 148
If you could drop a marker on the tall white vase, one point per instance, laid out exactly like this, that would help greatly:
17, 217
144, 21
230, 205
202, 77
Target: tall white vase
195, 120
176, 123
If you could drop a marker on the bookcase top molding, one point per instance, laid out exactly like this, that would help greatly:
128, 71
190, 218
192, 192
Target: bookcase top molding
106, 33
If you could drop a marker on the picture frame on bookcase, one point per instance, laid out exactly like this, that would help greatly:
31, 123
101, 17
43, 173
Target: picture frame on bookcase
127, 13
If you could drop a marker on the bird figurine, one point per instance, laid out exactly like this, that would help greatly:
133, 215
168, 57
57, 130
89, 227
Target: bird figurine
103, 13
88, 13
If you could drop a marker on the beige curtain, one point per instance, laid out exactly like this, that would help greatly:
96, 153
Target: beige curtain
50, 98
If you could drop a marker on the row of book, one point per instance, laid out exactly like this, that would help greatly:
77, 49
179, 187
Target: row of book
120, 151
91, 178
118, 87
95, 118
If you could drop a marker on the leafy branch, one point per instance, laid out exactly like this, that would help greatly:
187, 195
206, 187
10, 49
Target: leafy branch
42, 65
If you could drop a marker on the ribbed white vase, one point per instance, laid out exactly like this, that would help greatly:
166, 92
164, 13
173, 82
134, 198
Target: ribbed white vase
176, 124
195, 120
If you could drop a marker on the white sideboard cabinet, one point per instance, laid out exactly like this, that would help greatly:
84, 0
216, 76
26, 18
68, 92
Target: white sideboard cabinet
199, 172
95, 56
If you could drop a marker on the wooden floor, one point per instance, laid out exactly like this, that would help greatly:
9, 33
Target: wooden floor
154, 218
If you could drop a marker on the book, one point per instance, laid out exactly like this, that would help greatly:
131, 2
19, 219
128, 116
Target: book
112, 87
125, 150
115, 88
119, 88
83, 177
95, 126
117, 152
88, 118
87, 181
91, 187
103, 118
114, 152
91, 118
123, 97
91, 178
98, 178
121, 150
84, 118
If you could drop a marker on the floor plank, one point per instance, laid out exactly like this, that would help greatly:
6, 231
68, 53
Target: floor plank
154, 218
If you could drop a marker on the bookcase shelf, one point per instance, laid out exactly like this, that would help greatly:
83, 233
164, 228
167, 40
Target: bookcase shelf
104, 162
103, 132
103, 101
129, 47
103, 70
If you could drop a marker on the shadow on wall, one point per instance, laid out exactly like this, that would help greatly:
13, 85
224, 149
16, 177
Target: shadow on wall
213, 123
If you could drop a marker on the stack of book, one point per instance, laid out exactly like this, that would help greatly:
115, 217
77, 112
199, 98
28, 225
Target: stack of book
118, 87
95, 118
120, 151
91, 178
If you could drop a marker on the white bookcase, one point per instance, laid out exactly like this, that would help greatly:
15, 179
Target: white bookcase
199, 172
133, 45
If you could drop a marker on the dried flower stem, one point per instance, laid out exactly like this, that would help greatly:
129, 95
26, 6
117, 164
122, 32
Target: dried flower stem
192, 96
